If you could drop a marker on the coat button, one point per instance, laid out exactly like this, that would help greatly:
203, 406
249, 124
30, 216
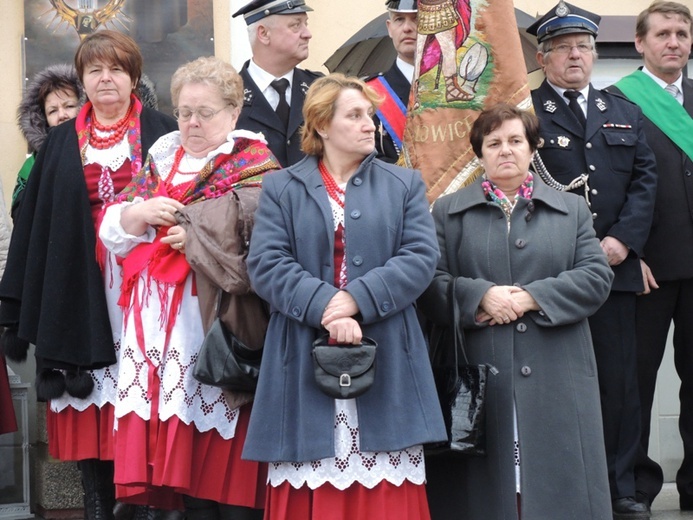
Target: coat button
594, 216
588, 145
358, 181
296, 311
526, 371
357, 260
592, 167
520, 243
385, 306
288, 142
688, 173
594, 191
521, 327
355, 214
542, 313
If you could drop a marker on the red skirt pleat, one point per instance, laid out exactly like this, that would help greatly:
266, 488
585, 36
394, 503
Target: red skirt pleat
385, 501
75, 435
170, 457
8, 420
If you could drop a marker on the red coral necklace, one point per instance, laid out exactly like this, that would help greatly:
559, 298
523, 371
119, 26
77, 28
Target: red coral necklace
333, 190
116, 131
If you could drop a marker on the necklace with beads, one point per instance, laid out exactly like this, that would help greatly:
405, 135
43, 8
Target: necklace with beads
175, 167
333, 190
115, 132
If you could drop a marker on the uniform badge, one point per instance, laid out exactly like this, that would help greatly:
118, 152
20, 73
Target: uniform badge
304, 87
601, 105
563, 141
247, 96
562, 10
550, 106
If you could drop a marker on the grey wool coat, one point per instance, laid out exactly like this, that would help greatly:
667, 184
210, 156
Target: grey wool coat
546, 366
391, 255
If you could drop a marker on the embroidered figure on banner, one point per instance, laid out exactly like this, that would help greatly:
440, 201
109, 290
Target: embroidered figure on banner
86, 18
447, 48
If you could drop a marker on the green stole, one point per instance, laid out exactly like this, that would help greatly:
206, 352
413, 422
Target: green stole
661, 108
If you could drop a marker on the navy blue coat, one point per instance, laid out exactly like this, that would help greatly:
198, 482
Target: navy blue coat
392, 253
258, 116
613, 150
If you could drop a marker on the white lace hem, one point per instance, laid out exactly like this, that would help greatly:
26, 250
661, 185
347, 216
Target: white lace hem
349, 464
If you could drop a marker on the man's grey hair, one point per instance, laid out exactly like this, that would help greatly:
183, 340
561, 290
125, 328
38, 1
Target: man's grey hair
267, 21
546, 45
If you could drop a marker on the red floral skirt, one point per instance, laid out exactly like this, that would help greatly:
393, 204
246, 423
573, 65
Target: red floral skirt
384, 502
157, 461
75, 435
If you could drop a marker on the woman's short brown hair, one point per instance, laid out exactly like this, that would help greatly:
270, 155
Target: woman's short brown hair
493, 117
320, 104
110, 47
212, 71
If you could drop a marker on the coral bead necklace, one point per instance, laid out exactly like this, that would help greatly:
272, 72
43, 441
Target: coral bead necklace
115, 132
333, 190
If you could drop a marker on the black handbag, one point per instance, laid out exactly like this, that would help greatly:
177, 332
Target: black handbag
461, 389
225, 361
344, 371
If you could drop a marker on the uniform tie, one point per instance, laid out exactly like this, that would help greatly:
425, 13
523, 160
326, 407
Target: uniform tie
574, 106
282, 110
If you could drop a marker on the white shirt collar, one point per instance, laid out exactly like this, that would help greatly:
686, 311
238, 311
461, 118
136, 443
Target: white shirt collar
585, 94
584, 91
406, 69
263, 79
663, 84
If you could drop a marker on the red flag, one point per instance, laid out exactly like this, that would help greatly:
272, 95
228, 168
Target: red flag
469, 57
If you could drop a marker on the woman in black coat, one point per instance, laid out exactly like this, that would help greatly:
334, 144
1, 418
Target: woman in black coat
60, 287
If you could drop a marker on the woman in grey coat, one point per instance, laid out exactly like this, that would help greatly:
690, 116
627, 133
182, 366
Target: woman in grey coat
343, 243
528, 271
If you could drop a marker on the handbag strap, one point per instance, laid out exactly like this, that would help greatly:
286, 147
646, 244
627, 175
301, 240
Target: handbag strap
454, 307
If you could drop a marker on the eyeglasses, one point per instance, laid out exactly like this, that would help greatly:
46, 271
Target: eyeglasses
564, 48
203, 114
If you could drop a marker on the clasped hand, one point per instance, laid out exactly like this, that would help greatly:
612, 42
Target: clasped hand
504, 304
338, 321
155, 212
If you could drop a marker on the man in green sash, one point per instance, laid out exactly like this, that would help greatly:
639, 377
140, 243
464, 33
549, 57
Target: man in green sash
663, 37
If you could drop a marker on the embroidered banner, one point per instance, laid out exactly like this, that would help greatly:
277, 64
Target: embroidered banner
481, 63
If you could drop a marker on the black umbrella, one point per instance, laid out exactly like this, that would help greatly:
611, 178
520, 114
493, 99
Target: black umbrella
370, 50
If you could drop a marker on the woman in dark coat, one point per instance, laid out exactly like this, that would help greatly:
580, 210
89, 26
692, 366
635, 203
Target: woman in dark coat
60, 287
528, 271
343, 243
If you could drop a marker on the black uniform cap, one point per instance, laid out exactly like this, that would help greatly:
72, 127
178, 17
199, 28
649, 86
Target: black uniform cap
259, 9
565, 18
402, 6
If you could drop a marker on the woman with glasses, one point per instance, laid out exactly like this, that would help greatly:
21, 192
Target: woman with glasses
176, 436
60, 288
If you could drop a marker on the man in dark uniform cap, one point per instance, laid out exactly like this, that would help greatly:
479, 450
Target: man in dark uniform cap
274, 87
395, 84
595, 133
